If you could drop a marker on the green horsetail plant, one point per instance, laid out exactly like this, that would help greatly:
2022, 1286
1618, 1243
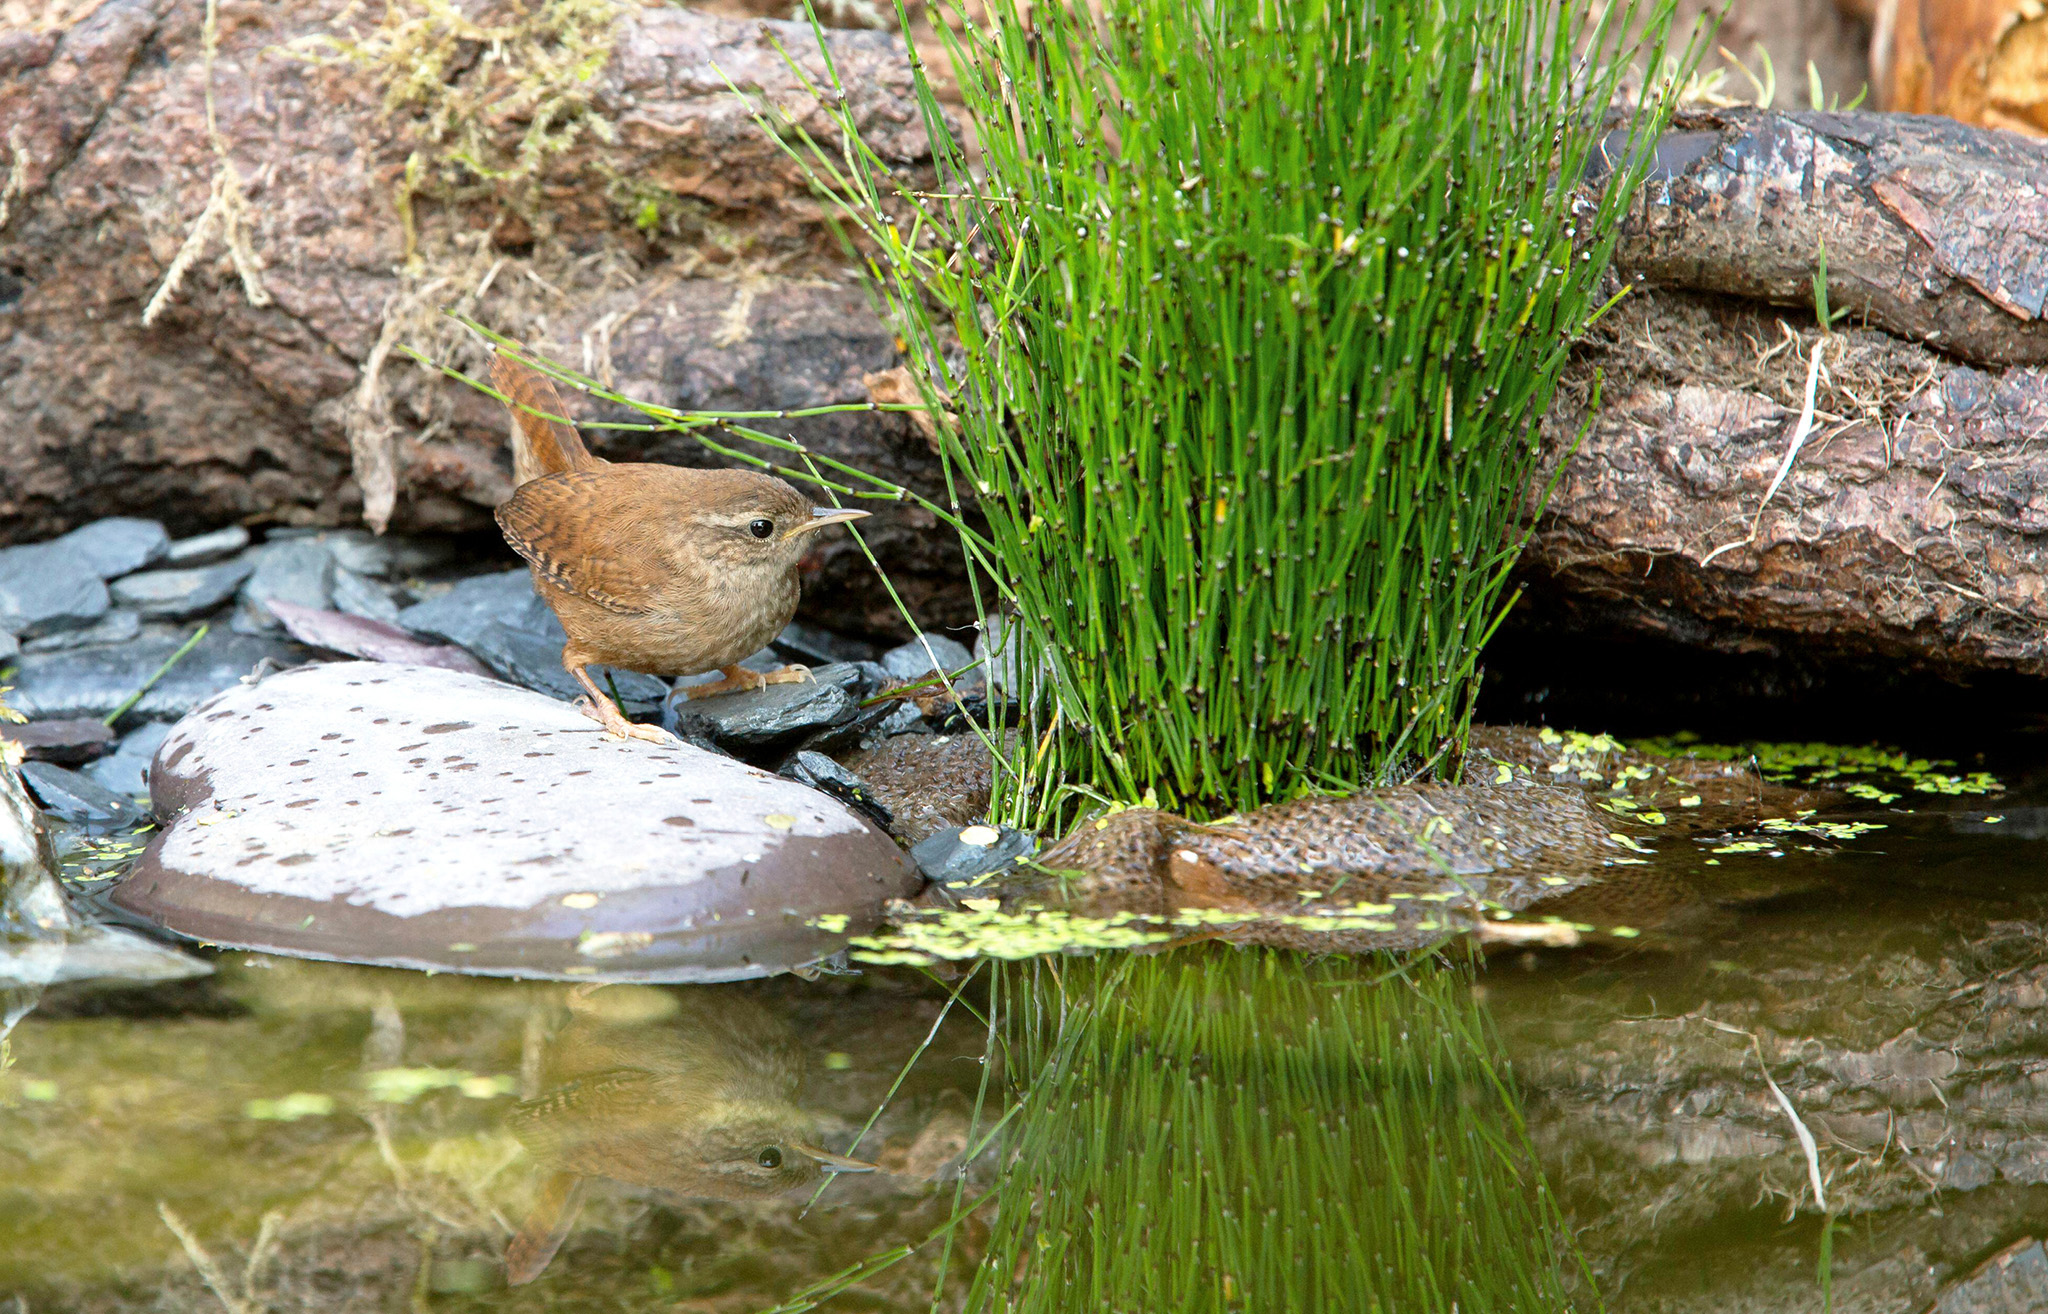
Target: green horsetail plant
1238, 318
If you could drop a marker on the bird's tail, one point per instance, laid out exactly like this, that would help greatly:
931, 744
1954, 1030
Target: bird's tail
546, 1228
540, 445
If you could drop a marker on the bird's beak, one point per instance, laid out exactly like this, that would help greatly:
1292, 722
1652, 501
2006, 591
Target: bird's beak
830, 1162
822, 516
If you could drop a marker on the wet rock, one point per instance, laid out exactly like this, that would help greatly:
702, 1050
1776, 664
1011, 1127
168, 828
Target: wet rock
371, 640
117, 545
78, 799
461, 615
928, 782
816, 647
126, 770
2013, 1281
45, 588
182, 593
68, 742
205, 549
117, 626
298, 571
923, 656
421, 818
94, 681
765, 716
359, 595
536, 663
960, 859
822, 773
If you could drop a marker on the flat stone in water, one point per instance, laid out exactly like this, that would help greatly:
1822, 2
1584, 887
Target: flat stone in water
118, 545
68, 742
126, 770
763, 716
94, 681
535, 663
76, 798
417, 817
182, 593
959, 858
461, 615
204, 549
45, 587
298, 570
117, 626
821, 772
914, 660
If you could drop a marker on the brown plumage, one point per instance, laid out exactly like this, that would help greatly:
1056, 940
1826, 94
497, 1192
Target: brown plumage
651, 568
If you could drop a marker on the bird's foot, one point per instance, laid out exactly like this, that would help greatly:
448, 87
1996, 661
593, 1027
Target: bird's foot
616, 726
791, 675
738, 679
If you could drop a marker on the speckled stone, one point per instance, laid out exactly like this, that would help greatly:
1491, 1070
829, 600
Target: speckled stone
418, 817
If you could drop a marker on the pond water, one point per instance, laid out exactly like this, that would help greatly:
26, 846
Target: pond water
1617, 1124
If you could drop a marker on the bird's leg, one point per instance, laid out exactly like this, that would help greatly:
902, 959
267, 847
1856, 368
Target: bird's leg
607, 714
738, 679
791, 675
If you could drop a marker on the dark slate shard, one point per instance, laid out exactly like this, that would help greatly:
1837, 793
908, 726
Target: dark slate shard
117, 626
821, 772
961, 860
904, 719
78, 799
863, 730
915, 660
359, 595
69, 742
814, 647
94, 681
298, 570
182, 593
759, 717
391, 556
463, 612
536, 663
416, 817
46, 587
118, 545
125, 771
205, 549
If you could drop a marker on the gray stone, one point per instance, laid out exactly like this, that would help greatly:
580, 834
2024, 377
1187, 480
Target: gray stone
182, 593
963, 858
117, 626
760, 716
915, 660
393, 556
536, 663
205, 549
359, 595
462, 613
417, 817
906, 719
68, 742
94, 681
9, 645
118, 545
299, 571
815, 647
45, 588
371, 640
2013, 1281
75, 798
822, 773
125, 771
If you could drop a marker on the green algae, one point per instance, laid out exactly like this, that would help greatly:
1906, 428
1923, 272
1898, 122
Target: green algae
1859, 770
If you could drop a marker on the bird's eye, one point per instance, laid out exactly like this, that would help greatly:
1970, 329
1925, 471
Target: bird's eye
769, 1157
761, 528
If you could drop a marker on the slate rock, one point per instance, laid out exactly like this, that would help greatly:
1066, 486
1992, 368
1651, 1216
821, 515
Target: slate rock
2013, 1281
915, 660
125, 771
117, 545
536, 663
820, 772
118, 626
205, 549
461, 614
45, 587
962, 858
817, 647
760, 717
68, 742
78, 799
371, 640
904, 719
9, 645
94, 681
416, 817
298, 571
182, 593
359, 595
391, 556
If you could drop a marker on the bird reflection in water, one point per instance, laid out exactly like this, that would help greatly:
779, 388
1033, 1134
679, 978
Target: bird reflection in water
690, 1094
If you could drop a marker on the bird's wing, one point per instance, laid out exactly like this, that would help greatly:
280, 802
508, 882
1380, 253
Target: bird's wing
584, 533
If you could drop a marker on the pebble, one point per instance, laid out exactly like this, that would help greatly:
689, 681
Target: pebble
461, 615
359, 595
117, 626
421, 818
45, 588
68, 742
960, 859
125, 771
94, 681
821, 772
761, 717
78, 799
117, 545
182, 593
914, 660
297, 570
205, 549
536, 663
